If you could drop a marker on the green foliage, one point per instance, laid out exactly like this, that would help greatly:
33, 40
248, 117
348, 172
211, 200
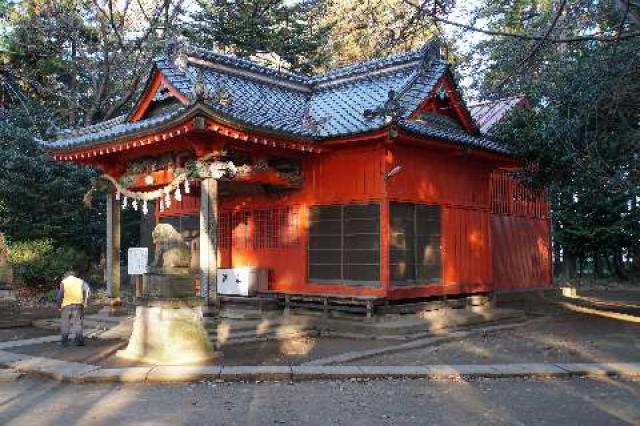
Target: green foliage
83, 60
362, 29
289, 31
580, 134
40, 198
39, 264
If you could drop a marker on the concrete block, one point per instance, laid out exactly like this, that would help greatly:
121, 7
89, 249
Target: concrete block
570, 292
9, 375
183, 373
529, 369
395, 371
27, 342
626, 369
59, 370
461, 370
258, 372
312, 372
115, 375
6, 358
583, 369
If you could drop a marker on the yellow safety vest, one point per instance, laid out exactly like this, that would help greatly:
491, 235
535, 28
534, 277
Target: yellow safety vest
73, 294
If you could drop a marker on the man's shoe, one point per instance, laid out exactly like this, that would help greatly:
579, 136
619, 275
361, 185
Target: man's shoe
64, 341
79, 342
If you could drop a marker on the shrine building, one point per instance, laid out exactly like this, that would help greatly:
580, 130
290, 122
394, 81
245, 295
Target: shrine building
369, 182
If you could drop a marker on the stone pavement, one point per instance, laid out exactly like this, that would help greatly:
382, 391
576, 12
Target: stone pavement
569, 401
77, 372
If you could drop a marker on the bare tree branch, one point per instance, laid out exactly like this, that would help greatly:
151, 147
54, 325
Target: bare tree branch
597, 36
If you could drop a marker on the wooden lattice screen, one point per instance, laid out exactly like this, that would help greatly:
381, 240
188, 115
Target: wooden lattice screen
511, 198
259, 228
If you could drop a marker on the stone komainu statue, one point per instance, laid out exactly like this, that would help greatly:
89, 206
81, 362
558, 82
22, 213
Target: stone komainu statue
171, 249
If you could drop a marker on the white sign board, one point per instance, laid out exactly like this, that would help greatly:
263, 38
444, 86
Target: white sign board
137, 260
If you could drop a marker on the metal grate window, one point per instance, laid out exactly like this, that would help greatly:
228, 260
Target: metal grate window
414, 253
344, 243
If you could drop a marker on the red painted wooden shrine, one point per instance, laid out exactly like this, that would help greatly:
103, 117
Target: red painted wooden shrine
397, 194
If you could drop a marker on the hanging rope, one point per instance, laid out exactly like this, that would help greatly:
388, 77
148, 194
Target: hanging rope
147, 196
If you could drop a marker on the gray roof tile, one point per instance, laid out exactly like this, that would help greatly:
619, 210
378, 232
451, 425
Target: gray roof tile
282, 101
422, 128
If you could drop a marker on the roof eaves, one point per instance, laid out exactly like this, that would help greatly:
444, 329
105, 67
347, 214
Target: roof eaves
161, 122
452, 135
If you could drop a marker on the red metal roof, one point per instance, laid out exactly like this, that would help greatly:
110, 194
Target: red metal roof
487, 114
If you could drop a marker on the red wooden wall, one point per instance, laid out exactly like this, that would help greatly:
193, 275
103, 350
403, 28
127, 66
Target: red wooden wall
352, 174
520, 231
494, 234
460, 184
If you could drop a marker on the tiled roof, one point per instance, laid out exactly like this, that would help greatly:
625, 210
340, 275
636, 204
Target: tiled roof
487, 114
95, 134
423, 128
315, 107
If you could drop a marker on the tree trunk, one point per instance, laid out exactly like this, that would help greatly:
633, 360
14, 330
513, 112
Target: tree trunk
618, 264
570, 264
597, 266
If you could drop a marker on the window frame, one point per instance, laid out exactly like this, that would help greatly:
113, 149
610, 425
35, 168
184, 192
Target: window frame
376, 283
418, 279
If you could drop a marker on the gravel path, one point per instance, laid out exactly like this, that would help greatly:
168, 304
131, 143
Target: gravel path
32, 401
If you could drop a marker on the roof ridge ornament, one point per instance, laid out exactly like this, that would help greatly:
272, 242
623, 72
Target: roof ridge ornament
391, 110
199, 89
200, 92
312, 124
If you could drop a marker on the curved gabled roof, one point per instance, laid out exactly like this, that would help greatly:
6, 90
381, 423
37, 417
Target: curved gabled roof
315, 107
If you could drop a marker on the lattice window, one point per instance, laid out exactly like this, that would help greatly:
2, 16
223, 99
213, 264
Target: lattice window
415, 243
511, 198
224, 230
260, 228
241, 229
344, 243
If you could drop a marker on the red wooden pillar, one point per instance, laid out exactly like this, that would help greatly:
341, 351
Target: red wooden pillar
385, 232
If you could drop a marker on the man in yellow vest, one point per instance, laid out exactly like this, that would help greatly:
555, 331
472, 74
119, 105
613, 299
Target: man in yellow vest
73, 295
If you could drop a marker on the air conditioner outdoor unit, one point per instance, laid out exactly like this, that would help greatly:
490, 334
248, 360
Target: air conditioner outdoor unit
242, 281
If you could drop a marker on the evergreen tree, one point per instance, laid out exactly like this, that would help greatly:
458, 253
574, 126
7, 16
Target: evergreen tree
580, 134
363, 29
289, 32
40, 198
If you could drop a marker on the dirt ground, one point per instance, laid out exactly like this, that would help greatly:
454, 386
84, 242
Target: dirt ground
567, 337
286, 352
38, 401
29, 313
21, 333
552, 334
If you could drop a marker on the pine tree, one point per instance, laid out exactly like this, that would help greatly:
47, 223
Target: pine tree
289, 33
579, 135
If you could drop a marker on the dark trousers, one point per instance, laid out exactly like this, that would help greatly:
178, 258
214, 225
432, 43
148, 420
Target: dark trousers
72, 317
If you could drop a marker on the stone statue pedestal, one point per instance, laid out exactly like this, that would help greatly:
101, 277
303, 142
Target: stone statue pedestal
168, 328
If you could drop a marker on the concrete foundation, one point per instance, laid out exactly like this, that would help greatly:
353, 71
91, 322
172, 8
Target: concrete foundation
169, 332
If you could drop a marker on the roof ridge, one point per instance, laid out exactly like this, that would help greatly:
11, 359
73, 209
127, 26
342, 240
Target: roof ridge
492, 101
351, 70
375, 64
80, 130
247, 64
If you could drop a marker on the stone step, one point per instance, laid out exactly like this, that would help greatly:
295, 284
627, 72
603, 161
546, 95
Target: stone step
252, 338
